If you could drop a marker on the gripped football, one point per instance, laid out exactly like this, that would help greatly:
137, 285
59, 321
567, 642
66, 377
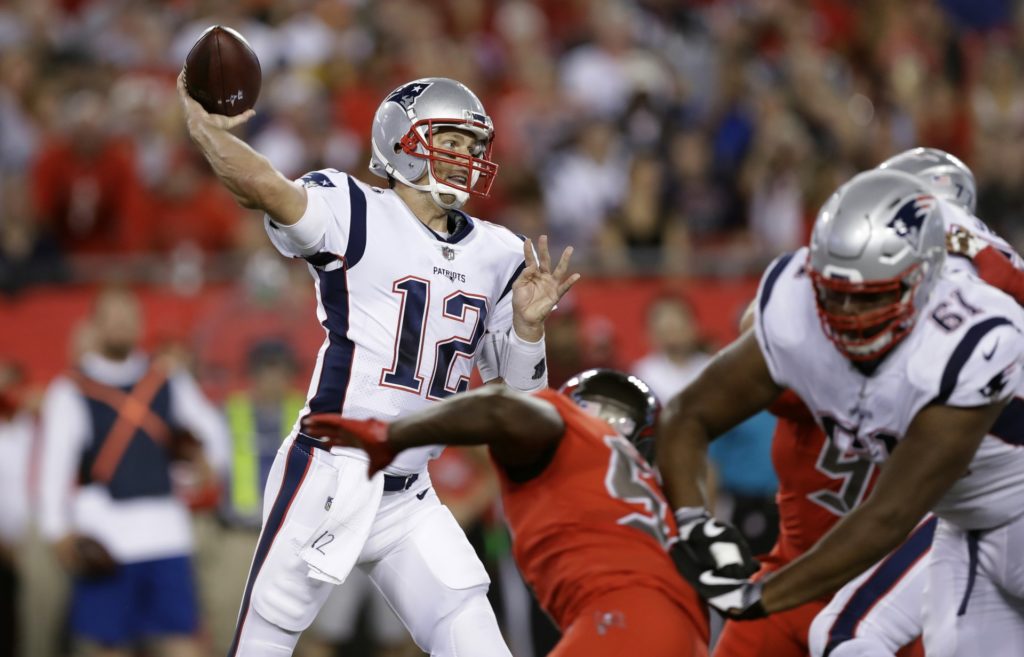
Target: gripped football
222, 72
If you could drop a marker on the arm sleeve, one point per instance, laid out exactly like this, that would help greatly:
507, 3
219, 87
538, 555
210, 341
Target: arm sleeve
191, 410
996, 269
325, 224
65, 431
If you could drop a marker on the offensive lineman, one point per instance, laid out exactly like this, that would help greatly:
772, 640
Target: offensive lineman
883, 608
887, 351
591, 528
407, 286
879, 611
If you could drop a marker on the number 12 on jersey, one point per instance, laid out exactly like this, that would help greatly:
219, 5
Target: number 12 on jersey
413, 320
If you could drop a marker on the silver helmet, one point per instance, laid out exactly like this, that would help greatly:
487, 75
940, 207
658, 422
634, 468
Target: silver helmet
952, 179
877, 248
401, 139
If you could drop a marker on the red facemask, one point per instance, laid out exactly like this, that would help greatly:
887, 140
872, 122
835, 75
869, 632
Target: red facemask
479, 168
868, 334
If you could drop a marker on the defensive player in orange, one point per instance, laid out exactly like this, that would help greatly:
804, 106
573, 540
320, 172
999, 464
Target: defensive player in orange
592, 531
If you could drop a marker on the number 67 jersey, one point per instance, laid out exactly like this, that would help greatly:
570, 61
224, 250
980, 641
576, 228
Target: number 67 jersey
403, 308
965, 349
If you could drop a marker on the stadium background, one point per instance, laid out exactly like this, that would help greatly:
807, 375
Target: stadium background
679, 146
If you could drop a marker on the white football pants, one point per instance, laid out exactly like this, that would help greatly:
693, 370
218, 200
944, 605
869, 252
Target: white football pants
880, 611
416, 554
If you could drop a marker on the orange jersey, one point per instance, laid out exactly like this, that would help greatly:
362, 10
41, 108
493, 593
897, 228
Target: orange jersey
818, 484
593, 521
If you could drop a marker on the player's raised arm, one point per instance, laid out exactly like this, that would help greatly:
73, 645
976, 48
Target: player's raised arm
248, 175
519, 428
935, 452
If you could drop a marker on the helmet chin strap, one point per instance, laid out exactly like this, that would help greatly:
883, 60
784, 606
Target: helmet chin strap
435, 188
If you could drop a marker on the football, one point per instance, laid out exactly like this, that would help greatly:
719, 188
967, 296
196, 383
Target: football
222, 72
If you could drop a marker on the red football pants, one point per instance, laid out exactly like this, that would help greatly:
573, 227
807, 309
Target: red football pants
636, 621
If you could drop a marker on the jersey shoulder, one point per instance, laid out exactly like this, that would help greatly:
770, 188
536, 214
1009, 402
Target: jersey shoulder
324, 179
784, 310
966, 348
500, 235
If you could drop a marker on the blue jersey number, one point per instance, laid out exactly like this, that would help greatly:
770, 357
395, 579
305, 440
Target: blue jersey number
412, 322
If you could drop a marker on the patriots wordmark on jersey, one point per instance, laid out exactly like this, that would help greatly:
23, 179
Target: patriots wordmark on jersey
403, 308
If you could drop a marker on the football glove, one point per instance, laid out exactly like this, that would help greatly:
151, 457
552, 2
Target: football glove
737, 599
715, 546
369, 435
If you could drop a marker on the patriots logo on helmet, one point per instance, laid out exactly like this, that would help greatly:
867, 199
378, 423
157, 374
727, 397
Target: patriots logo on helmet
406, 95
911, 215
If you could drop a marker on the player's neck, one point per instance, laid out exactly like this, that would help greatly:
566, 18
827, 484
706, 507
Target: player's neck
422, 205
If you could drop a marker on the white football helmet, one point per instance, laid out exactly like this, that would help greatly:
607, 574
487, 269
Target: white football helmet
876, 252
952, 179
401, 139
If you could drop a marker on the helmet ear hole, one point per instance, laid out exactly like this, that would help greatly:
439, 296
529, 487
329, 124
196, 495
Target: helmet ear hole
398, 147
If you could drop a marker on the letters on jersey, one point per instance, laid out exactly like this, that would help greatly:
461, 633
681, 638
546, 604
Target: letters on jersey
403, 308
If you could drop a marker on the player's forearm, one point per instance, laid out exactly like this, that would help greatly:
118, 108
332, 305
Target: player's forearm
856, 543
495, 416
996, 269
682, 456
248, 175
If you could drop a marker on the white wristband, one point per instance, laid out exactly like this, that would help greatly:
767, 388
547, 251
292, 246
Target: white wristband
524, 367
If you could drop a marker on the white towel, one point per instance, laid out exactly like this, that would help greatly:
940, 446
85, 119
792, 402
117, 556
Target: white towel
332, 550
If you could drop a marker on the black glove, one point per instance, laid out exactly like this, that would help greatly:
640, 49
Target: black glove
715, 546
737, 599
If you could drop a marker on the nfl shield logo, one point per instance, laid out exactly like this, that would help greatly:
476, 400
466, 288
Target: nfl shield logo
448, 253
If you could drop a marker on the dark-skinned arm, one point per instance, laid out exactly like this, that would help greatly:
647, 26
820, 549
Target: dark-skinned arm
734, 386
518, 428
935, 452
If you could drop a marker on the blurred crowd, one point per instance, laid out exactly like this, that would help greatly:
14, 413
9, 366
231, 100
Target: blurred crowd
657, 136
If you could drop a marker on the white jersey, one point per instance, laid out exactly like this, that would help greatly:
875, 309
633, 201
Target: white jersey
403, 308
965, 350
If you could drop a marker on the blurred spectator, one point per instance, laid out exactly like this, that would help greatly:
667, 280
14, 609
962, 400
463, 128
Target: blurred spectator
676, 355
84, 181
17, 431
106, 503
583, 184
28, 256
188, 207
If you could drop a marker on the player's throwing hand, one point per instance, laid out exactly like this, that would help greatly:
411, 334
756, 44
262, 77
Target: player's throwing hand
538, 288
197, 118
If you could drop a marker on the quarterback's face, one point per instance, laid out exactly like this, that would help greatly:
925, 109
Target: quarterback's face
457, 141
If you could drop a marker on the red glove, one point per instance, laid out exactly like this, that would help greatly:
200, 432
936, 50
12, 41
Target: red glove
370, 435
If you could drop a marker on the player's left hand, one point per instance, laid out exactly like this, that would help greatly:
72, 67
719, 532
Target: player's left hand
538, 289
369, 435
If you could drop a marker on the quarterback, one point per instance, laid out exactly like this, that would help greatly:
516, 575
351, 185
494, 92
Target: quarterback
903, 364
411, 292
